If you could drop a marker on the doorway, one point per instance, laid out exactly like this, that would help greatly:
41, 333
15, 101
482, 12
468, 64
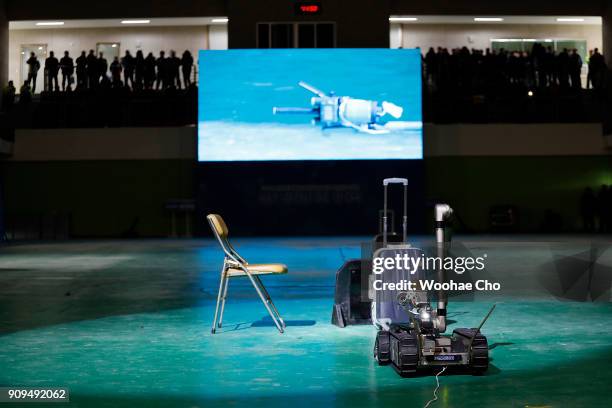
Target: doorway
110, 50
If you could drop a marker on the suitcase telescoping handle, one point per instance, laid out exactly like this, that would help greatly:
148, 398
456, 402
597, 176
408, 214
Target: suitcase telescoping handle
404, 182
395, 180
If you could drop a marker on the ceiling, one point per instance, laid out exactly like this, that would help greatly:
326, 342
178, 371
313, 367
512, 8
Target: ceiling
537, 20
97, 23
199, 21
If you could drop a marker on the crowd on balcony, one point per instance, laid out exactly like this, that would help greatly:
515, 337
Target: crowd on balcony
135, 72
490, 71
455, 78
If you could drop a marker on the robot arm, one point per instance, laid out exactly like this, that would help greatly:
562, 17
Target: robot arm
300, 111
442, 213
312, 89
392, 109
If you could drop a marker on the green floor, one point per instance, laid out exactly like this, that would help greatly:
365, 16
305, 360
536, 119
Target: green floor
124, 323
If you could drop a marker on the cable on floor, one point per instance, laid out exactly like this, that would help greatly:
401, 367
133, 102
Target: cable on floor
435, 393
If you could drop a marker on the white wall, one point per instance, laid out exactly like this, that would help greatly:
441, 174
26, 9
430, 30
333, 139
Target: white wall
147, 39
395, 35
480, 35
217, 37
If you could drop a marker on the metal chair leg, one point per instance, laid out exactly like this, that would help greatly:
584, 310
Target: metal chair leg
214, 325
263, 299
269, 299
223, 300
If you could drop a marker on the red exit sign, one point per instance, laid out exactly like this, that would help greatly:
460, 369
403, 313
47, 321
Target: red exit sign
307, 8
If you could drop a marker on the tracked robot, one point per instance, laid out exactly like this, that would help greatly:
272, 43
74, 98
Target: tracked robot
410, 334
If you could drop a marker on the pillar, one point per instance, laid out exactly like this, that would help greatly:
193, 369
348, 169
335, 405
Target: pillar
4, 45
607, 33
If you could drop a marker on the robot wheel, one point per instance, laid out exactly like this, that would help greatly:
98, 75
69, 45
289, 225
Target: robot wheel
382, 348
480, 355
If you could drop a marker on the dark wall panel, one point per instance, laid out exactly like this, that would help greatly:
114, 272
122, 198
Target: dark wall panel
104, 197
4, 38
533, 184
359, 23
607, 34
305, 198
276, 10
79, 9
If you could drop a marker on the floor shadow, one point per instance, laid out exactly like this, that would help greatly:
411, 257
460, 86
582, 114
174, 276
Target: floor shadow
494, 345
15, 270
226, 328
493, 370
453, 314
263, 322
455, 371
267, 321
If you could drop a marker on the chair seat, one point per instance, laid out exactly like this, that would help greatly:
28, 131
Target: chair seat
259, 269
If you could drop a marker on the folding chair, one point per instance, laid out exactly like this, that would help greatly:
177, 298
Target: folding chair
235, 266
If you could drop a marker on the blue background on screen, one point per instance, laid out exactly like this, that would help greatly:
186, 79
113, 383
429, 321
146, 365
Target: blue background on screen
239, 88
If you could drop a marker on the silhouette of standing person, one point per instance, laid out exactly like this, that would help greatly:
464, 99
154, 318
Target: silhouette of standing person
431, 67
589, 78
603, 211
186, 66
575, 63
25, 94
33, 67
608, 209
563, 64
597, 66
115, 69
81, 70
8, 96
588, 208
173, 63
149, 71
128, 69
67, 67
92, 70
139, 67
549, 67
52, 69
162, 71
102, 66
